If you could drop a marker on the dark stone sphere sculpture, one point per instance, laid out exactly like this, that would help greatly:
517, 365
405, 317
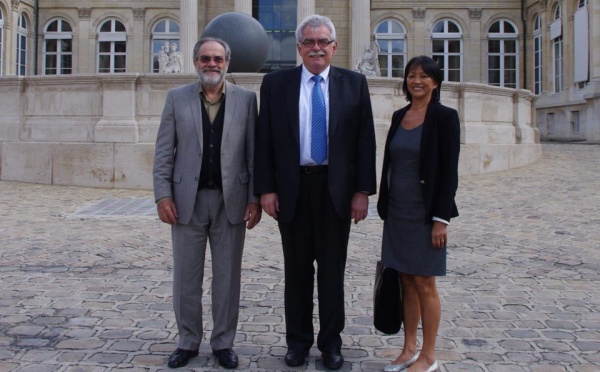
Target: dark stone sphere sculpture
246, 37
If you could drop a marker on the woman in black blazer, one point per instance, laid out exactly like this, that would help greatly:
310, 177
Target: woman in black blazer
416, 202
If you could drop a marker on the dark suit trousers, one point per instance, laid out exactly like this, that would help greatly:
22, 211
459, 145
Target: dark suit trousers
315, 233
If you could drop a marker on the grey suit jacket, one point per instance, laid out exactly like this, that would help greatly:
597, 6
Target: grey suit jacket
178, 154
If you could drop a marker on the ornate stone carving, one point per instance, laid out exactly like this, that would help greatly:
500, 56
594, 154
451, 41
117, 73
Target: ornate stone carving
474, 13
418, 13
542, 4
15, 3
139, 14
170, 60
84, 13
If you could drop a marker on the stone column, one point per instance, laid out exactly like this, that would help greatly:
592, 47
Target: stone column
304, 9
84, 42
421, 45
188, 15
11, 29
243, 6
360, 19
474, 46
139, 60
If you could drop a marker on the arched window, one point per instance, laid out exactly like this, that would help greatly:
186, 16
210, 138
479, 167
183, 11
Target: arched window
537, 55
22, 45
557, 49
391, 39
112, 47
164, 33
1, 36
58, 48
503, 54
446, 48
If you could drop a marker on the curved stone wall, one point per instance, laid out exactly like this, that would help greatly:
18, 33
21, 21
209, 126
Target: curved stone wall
99, 130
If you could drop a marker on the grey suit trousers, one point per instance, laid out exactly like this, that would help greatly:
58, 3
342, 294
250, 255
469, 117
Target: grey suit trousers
209, 223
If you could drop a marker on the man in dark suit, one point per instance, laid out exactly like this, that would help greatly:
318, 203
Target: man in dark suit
315, 168
203, 186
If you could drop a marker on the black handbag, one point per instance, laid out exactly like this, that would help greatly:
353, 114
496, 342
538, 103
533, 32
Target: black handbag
387, 300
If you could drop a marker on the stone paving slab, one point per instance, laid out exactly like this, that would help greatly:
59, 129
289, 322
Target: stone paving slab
93, 293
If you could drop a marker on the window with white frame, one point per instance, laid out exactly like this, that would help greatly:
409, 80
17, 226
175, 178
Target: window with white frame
58, 48
502, 54
558, 64
22, 45
391, 39
581, 45
164, 33
557, 49
1, 36
112, 47
446, 48
537, 55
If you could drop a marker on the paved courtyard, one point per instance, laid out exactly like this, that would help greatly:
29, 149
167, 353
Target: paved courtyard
85, 279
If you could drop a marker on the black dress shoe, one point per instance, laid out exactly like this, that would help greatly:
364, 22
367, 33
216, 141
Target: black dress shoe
295, 358
333, 359
227, 358
181, 357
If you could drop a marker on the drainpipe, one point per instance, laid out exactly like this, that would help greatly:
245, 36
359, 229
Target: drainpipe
37, 35
524, 20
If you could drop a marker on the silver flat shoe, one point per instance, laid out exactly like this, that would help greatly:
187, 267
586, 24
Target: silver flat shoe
401, 366
434, 367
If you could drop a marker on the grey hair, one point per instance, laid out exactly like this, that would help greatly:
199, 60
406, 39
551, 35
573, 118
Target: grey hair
206, 40
315, 21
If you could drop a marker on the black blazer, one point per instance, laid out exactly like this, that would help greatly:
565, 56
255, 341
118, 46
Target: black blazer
438, 161
351, 139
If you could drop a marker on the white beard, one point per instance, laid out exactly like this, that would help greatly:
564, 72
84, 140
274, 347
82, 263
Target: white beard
210, 80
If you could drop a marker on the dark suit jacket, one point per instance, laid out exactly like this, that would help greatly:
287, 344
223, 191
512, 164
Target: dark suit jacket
351, 139
438, 161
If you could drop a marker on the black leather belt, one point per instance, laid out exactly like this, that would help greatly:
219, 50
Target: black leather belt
313, 169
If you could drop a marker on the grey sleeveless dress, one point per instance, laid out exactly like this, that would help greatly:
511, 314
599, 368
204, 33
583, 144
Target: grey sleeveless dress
406, 238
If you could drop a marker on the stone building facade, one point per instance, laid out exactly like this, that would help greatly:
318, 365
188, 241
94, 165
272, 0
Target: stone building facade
551, 47
83, 83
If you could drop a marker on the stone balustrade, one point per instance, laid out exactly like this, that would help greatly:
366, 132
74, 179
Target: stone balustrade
99, 130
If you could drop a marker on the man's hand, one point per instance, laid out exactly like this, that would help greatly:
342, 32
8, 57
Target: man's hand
252, 215
270, 204
360, 206
167, 211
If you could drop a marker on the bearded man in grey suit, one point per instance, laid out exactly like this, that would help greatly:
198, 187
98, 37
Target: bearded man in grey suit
203, 187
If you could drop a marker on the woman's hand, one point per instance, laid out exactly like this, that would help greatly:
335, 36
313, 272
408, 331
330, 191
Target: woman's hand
439, 234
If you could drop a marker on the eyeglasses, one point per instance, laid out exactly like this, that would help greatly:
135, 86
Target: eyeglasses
323, 43
217, 59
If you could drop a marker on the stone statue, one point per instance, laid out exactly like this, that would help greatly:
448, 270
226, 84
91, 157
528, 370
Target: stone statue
368, 62
175, 62
163, 58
